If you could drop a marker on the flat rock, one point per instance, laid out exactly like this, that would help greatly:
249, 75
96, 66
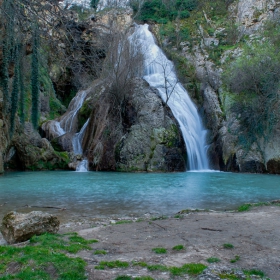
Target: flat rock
18, 227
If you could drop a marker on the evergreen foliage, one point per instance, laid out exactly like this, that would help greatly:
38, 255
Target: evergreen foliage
162, 11
35, 79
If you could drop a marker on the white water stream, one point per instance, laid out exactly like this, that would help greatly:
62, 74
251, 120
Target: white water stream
67, 123
160, 73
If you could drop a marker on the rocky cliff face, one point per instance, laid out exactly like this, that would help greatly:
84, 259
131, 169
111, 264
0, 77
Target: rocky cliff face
225, 151
144, 136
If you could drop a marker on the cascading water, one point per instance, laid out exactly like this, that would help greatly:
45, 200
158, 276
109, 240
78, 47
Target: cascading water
160, 73
67, 124
78, 150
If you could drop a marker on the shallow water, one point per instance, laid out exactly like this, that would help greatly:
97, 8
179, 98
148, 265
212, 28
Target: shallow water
107, 194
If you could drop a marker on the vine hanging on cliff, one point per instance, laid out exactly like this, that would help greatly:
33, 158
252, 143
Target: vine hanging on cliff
7, 46
35, 78
15, 89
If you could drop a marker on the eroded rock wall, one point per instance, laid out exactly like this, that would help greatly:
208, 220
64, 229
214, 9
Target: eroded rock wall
225, 150
144, 136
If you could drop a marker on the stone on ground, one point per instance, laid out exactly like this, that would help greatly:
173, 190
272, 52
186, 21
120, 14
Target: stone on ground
19, 227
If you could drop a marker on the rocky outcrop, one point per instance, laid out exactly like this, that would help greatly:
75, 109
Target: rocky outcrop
18, 227
29, 151
226, 149
251, 14
144, 136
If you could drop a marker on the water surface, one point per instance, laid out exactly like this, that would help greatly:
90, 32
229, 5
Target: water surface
105, 194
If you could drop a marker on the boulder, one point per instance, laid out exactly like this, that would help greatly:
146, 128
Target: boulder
19, 227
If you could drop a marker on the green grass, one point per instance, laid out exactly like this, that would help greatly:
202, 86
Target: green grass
112, 264
236, 258
159, 218
244, 207
228, 246
48, 250
178, 216
158, 267
254, 272
159, 250
100, 252
144, 278
123, 222
123, 277
191, 269
178, 248
70, 242
142, 264
213, 260
229, 276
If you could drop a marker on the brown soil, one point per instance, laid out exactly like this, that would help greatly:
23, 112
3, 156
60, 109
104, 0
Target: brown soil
254, 234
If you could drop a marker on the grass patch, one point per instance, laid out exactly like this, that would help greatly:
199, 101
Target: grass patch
159, 218
112, 264
254, 272
142, 264
100, 252
213, 260
191, 269
178, 248
178, 216
45, 258
158, 267
159, 250
228, 276
236, 258
144, 278
228, 246
123, 277
244, 207
123, 222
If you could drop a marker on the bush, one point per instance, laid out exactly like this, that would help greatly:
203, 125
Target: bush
254, 78
162, 11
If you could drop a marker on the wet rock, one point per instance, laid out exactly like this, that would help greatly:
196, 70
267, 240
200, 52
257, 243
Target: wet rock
18, 227
273, 166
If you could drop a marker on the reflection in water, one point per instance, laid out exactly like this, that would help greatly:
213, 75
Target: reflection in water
103, 194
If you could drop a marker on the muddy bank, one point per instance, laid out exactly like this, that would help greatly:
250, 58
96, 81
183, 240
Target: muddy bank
254, 235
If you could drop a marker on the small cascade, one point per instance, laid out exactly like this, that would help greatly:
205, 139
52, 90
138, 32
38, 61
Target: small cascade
78, 139
67, 120
78, 150
160, 73
83, 166
67, 123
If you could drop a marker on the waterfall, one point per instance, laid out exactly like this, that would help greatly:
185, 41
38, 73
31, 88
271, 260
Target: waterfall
160, 73
78, 150
67, 123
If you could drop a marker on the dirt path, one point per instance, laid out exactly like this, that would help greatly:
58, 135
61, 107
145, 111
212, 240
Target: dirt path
254, 234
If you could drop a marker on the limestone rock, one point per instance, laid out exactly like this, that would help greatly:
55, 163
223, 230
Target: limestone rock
147, 138
18, 227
